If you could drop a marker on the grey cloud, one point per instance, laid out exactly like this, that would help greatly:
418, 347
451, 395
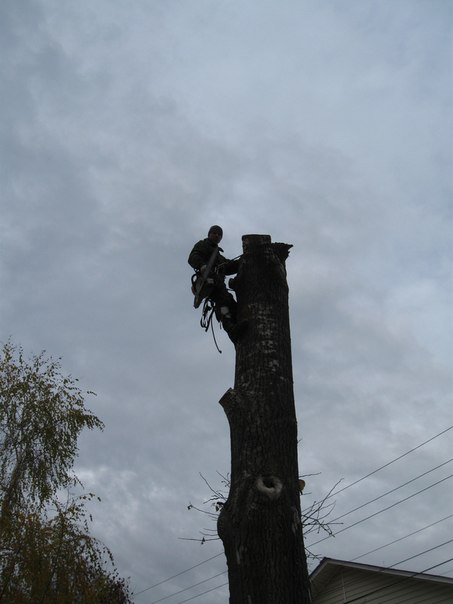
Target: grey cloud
126, 132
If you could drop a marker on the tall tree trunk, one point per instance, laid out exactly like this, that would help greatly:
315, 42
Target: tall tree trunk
260, 523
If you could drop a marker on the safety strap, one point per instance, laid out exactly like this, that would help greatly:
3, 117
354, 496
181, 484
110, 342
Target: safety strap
206, 319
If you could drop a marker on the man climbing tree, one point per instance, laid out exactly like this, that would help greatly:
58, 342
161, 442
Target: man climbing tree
209, 280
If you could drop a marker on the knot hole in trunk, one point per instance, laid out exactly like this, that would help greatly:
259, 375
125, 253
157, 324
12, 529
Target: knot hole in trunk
271, 486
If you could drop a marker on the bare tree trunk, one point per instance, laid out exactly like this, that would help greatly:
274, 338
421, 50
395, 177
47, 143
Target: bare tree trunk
260, 523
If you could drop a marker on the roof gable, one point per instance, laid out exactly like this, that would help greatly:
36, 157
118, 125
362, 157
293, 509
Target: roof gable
336, 581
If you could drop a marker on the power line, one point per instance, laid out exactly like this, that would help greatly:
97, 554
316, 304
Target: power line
431, 549
415, 574
392, 566
177, 574
187, 588
328, 497
353, 560
389, 463
397, 563
446, 572
382, 570
203, 593
402, 538
381, 511
399, 581
393, 490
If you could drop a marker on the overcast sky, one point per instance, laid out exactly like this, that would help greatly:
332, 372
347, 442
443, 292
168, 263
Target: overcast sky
127, 129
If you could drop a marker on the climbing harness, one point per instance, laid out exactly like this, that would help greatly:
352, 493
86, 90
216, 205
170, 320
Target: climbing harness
202, 285
206, 319
206, 314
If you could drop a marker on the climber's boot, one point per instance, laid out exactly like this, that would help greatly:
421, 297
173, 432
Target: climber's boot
233, 329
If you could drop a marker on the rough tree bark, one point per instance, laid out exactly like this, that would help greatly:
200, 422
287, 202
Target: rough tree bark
260, 523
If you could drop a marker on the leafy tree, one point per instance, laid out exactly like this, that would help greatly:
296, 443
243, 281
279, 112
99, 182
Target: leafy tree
54, 559
46, 552
42, 413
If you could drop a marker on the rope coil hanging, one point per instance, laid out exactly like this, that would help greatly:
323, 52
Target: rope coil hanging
206, 319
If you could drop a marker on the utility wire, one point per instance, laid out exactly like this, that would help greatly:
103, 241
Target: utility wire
402, 538
177, 574
389, 463
431, 549
399, 581
382, 570
203, 593
381, 511
176, 593
392, 490
353, 560
361, 556
392, 566
328, 497
359, 597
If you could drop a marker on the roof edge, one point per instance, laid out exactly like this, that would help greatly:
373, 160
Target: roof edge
333, 562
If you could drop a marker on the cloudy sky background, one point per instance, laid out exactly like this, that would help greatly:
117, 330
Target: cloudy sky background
127, 128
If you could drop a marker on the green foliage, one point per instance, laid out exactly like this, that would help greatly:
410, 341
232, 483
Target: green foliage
54, 559
46, 552
42, 413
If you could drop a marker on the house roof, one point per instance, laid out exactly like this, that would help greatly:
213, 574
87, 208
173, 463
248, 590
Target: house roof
329, 567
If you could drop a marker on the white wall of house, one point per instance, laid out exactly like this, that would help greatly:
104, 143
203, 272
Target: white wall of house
365, 587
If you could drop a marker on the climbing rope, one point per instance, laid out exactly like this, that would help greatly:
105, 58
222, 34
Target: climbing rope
208, 310
206, 319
